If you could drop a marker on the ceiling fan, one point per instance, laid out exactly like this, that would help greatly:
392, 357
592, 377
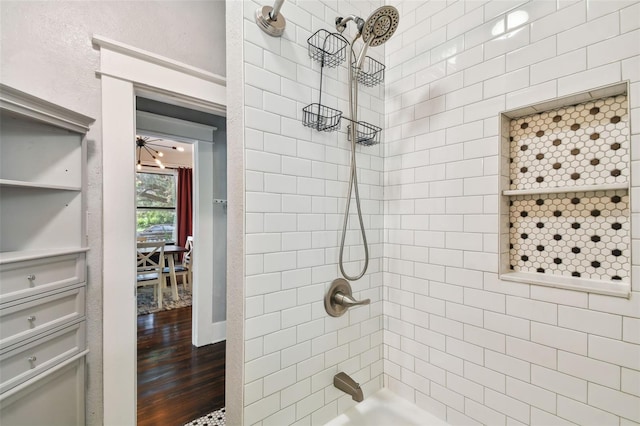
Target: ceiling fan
143, 144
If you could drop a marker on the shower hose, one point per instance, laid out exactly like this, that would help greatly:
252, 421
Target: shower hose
353, 176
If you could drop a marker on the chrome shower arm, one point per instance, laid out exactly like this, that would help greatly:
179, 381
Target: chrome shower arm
276, 9
341, 23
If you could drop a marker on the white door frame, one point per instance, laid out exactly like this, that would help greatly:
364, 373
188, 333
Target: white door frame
126, 72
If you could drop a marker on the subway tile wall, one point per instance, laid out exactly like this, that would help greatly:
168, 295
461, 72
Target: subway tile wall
458, 341
296, 185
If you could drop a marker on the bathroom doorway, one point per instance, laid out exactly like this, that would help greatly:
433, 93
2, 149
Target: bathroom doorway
159, 79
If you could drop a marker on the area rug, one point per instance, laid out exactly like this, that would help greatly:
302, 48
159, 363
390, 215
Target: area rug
217, 418
147, 303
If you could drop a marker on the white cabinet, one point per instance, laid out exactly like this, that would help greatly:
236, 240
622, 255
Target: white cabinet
43, 246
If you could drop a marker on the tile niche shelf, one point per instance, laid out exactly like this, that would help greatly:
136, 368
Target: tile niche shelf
565, 218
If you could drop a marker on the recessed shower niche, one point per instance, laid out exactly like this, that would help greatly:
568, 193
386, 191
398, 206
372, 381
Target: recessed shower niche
565, 193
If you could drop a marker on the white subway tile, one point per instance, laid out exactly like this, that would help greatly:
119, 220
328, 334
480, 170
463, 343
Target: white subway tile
446, 257
447, 397
614, 401
461, 276
262, 161
614, 49
484, 300
261, 367
590, 321
484, 376
309, 404
534, 395
590, 369
279, 380
558, 337
466, 205
263, 202
262, 284
512, 40
531, 54
485, 338
630, 381
614, 351
532, 352
445, 361
481, 261
585, 80
465, 350
559, 66
446, 326
616, 305
508, 325
504, 404
560, 383
262, 408
507, 82
507, 365
589, 33
532, 309
630, 330
583, 414
540, 417
481, 412
564, 18
484, 70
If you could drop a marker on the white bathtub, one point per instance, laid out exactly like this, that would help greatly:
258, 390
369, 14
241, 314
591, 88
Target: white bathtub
384, 408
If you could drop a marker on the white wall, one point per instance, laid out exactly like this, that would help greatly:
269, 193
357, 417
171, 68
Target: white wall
477, 349
47, 51
296, 184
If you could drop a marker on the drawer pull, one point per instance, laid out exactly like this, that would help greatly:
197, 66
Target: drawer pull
31, 277
32, 358
31, 318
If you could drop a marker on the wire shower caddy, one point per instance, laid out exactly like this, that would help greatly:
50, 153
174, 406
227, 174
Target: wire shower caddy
330, 50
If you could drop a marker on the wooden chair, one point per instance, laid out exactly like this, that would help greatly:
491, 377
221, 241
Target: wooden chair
184, 269
150, 267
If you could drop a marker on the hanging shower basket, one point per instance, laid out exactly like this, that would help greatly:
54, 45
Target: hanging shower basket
321, 117
366, 134
372, 72
330, 49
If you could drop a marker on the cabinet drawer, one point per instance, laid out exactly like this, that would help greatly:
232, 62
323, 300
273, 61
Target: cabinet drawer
38, 354
38, 315
55, 399
31, 277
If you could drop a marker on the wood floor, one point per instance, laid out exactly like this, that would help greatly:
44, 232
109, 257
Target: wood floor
177, 382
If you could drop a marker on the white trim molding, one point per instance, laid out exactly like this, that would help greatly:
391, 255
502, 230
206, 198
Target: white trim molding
125, 73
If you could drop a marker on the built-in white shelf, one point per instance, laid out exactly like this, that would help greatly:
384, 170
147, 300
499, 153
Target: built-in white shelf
563, 189
23, 184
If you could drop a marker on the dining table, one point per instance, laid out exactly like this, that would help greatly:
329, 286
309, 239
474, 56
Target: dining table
169, 255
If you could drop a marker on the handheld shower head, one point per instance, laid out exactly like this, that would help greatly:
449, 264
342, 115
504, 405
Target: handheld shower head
377, 29
380, 26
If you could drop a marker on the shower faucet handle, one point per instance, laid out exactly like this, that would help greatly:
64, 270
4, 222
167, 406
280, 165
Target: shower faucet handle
348, 301
339, 298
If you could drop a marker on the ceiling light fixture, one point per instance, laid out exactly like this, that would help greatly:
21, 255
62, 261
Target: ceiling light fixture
143, 144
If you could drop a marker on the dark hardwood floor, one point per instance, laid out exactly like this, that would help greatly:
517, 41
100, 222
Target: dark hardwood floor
177, 382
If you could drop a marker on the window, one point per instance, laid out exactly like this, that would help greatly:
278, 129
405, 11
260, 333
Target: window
566, 197
156, 206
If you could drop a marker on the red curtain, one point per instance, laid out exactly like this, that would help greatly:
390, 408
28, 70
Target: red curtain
185, 205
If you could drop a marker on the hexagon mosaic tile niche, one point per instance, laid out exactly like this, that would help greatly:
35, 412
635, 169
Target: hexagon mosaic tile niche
574, 234
585, 144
